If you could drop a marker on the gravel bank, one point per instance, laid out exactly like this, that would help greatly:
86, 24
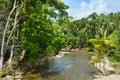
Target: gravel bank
109, 77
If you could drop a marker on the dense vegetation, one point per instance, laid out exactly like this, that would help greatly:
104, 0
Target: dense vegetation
38, 29
30, 29
100, 32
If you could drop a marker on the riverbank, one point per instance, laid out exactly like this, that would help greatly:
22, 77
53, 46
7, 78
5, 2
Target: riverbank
17, 75
108, 77
107, 70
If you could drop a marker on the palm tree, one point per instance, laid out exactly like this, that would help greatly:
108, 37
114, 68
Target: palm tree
100, 45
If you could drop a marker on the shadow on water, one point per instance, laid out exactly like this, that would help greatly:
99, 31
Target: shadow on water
74, 66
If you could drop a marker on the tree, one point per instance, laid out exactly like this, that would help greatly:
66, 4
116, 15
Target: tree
4, 44
29, 29
100, 46
37, 33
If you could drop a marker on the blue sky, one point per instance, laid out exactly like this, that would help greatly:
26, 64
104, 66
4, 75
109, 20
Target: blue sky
82, 8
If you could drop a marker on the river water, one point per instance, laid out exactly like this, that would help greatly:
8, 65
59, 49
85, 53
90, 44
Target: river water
74, 66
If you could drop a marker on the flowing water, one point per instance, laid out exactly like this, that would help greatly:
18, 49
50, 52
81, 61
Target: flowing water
74, 66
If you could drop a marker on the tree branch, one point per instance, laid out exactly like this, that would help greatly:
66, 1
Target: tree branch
15, 21
4, 35
6, 27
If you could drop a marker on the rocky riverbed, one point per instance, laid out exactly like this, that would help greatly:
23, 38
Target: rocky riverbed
17, 76
109, 77
111, 72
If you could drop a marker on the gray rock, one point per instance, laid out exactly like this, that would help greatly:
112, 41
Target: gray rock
105, 66
18, 77
8, 77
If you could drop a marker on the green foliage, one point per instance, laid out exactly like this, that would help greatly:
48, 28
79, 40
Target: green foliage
101, 45
40, 37
94, 59
77, 36
44, 28
35, 32
2, 73
59, 43
114, 53
97, 31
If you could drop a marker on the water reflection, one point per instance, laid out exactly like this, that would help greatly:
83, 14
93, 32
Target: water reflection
60, 65
74, 66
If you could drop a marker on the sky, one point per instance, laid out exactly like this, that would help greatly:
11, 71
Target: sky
82, 8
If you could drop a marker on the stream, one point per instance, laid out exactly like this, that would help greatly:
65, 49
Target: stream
74, 66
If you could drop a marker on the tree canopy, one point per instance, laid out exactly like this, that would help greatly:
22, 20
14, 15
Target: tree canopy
38, 29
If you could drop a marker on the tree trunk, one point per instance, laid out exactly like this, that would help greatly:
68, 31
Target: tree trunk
1, 62
3, 37
22, 55
11, 56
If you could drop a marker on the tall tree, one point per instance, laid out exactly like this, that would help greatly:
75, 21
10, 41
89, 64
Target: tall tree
30, 23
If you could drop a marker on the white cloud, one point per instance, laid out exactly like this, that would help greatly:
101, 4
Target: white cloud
98, 6
83, 5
